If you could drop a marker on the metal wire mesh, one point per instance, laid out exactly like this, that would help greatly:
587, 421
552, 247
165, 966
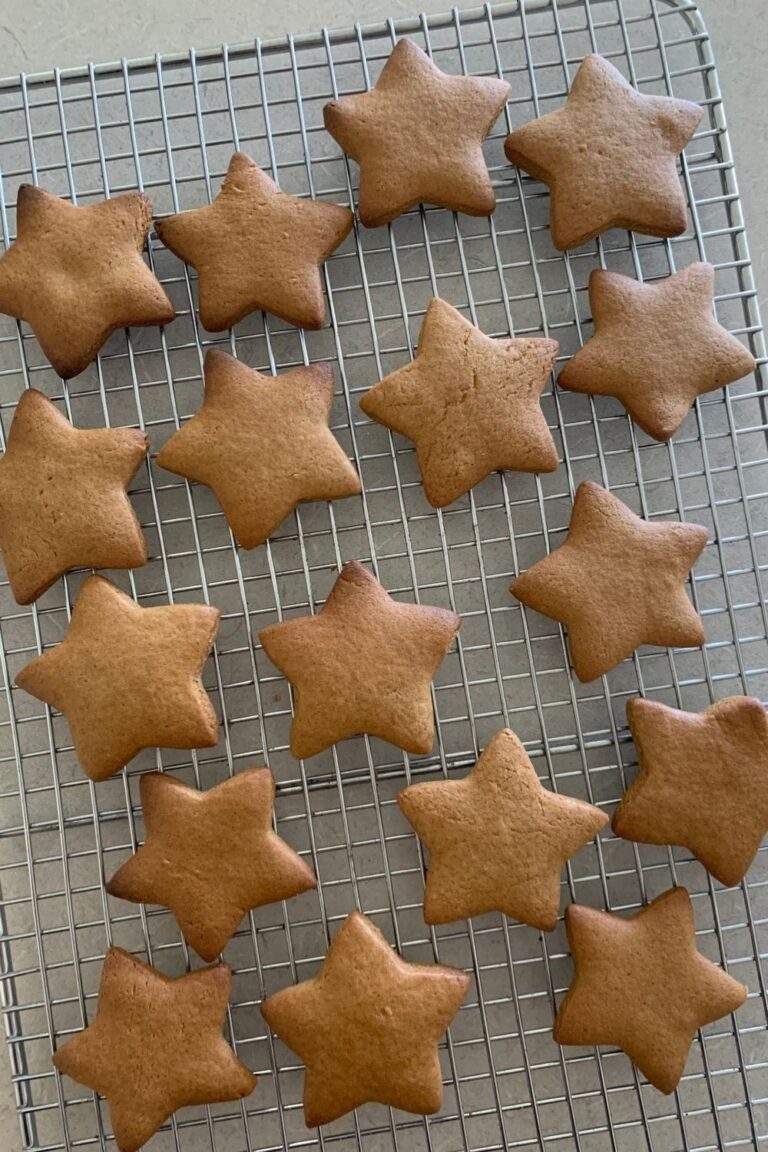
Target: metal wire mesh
168, 126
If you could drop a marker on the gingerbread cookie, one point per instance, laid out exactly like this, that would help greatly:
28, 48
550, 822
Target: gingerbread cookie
262, 443
418, 136
497, 840
62, 497
616, 583
609, 156
77, 274
364, 663
656, 347
211, 856
702, 782
155, 1046
367, 1026
469, 403
641, 984
257, 247
128, 678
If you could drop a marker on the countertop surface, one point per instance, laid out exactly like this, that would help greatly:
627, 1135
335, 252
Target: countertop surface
35, 37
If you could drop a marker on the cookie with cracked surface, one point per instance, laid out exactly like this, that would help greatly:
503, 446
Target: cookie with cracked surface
609, 156
418, 137
367, 1026
702, 782
640, 983
76, 274
469, 403
63, 501
363, 664
257, 247
155, 1046
656, 347
617, 582
211, 856
497, 840
127, 677
262, 443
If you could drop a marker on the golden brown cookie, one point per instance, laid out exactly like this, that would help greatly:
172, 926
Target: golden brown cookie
641, 984
418, 136
497, 840
257, 247
609, 156
62, 497
702, 782
469, 403
211, 856
155, 1046
262, 443
616, 583
128, 678
77, 274
367, 1026
656, 347
364, 663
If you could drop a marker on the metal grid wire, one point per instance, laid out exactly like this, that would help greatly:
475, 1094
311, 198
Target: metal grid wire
168, 126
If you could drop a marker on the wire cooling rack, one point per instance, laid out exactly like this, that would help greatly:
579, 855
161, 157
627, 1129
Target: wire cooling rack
168, 126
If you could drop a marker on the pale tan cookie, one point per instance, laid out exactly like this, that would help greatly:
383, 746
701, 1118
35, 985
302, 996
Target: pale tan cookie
211, 856
609, 156
497, 840
702, 782
641, 984
418, 136
77, 274
62, 497
262, 443
469, 403
656, 347
616, 583
257, 247
128, 678
367, 1026
364, 663
155, 1046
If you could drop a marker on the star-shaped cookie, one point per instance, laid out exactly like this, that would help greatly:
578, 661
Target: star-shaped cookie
155, 1046
364, 663
262, 443
128, 678
656, 347
257, 247
616, 583
418, 136
497, 839
77, 274
702, 782
469, 403
367, 1026
641, 984
62, 497
609, 156
211, 856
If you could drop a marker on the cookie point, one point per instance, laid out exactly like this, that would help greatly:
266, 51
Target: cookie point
30, 192
355, 571
546, 923
752, 706
677, 894
636, 705
217, 357
590, 487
